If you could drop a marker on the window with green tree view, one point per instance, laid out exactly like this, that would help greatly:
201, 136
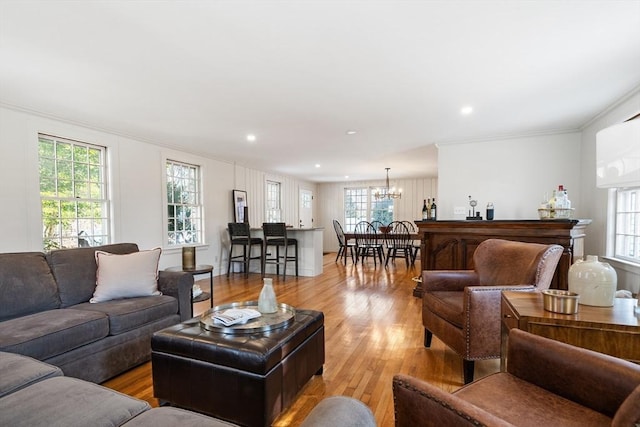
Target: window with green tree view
73, 193
184, 216
361, 205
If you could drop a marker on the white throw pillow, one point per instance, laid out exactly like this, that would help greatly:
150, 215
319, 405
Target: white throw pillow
126, 276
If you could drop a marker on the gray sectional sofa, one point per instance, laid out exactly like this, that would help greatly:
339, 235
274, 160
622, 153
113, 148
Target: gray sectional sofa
35, 394
45, 312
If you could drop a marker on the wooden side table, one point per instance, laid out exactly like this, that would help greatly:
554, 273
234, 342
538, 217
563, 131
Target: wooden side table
610, 330
200, 269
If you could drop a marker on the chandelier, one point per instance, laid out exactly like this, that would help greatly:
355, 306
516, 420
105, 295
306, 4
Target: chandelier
388, 193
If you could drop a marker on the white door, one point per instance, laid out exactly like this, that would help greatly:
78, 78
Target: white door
306, 209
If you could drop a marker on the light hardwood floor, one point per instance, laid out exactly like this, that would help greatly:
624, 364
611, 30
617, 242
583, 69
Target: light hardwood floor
373, 330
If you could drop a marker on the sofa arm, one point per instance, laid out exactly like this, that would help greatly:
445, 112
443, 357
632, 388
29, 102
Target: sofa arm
595, 380
418, 403
448, 280
179, 285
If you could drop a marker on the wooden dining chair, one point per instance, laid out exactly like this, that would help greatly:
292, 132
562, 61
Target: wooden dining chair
367, 243
344, 244
398, 242
415, 243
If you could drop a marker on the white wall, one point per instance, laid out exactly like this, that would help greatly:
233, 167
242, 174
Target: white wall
136, 174
514, 174
409, 207
596, 208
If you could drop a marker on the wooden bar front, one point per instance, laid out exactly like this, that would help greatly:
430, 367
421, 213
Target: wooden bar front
449, 245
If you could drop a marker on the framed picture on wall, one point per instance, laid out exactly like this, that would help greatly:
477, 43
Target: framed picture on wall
239, 205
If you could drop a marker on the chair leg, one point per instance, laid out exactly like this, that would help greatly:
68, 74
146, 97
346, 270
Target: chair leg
229, 263
296, 249
262, 257
467, 368
427, 337
246, 259
277, 260
285, 259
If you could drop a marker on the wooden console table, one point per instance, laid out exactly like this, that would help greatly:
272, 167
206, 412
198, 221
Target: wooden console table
449, 245
610, 330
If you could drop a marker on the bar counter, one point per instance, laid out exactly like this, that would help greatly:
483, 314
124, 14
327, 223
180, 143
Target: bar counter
309, 251
449, 245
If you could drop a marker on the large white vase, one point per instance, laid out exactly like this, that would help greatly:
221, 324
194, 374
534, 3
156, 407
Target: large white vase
594, 281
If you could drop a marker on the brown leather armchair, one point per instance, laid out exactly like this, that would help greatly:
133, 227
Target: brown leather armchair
547, 383
462, 307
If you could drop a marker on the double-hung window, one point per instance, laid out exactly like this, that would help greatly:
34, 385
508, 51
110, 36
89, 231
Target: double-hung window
73, 193
184, 204
381, 209
360, 204
274, 211
627, 224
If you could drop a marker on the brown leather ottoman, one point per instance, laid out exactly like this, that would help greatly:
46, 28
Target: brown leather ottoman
247, 379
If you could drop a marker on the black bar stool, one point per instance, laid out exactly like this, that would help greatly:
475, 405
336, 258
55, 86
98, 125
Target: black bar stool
275, 234
240, 235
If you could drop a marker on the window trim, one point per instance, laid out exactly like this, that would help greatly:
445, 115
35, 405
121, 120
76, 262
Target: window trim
369, 192
105, 194
612, 228
201, 205
267, 200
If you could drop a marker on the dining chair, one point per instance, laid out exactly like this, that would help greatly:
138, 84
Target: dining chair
380, 229
415, 243
344, 244
240, 235
398, 242
275, 234
367, 243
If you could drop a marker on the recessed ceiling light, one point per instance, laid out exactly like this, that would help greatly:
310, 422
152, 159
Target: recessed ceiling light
346, 177
317, 165
351, 132
466, 110
251, 137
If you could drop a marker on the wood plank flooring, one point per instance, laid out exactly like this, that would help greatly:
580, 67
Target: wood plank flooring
373, 330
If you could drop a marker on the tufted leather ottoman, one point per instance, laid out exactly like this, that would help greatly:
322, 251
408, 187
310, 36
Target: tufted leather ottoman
247, 379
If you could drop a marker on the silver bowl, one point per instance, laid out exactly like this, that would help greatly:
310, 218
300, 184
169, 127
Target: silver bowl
563, 302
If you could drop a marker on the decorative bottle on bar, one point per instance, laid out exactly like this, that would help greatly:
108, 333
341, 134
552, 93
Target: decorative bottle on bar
489, 211
434, 210
267, 301
425, 211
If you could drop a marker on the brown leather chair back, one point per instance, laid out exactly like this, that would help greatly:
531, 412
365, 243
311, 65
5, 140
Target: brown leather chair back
503, 262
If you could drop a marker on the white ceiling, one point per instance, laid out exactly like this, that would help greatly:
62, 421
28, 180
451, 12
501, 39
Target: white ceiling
299, 74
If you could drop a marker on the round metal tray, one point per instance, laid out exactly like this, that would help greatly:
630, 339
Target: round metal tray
267, 322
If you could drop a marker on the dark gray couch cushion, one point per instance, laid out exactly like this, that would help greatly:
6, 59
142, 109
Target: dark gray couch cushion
131, 313
17, 372
75, 270
26, 285
172, 417
68, 402
49, 333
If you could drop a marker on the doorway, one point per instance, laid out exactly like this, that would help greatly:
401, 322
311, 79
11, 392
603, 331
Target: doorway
306, 209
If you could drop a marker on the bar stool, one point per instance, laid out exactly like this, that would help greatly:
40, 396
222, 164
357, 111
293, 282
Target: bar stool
240, 235
275, 234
